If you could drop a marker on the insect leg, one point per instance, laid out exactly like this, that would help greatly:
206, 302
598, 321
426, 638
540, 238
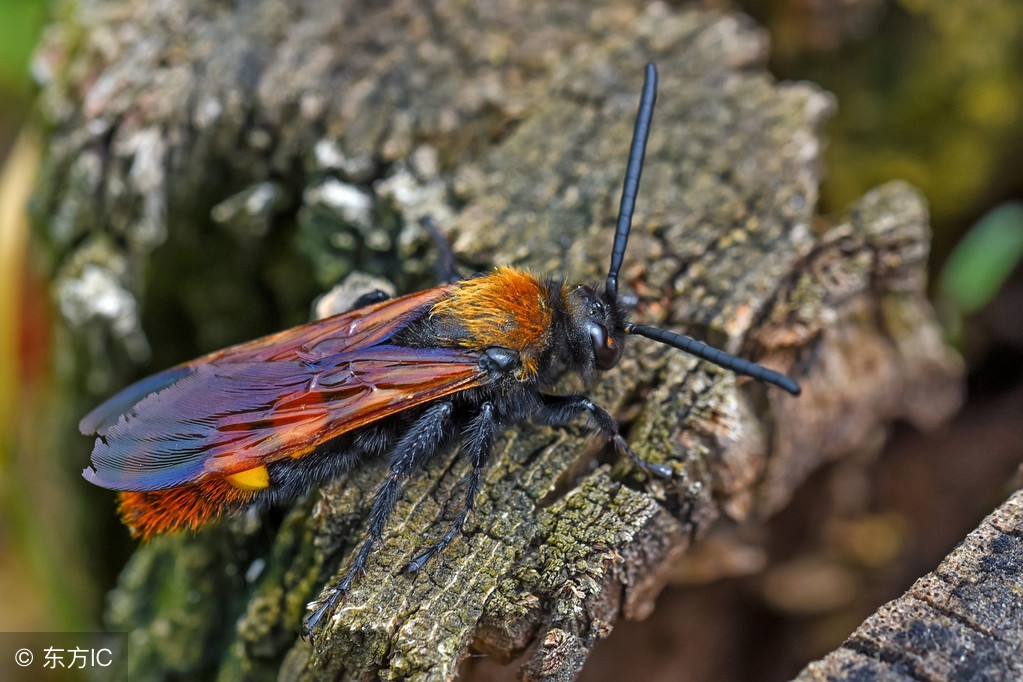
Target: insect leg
423, 439
369, 298
446, 267
478, 439
558, 410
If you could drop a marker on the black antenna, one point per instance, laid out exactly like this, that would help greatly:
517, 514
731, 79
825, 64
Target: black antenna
632, 172
716, 356
629, 190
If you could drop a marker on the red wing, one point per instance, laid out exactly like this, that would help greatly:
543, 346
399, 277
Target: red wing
349, 331
276, 397
224, 418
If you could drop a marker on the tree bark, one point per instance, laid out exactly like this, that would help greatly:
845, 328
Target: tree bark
961, 621
280, 146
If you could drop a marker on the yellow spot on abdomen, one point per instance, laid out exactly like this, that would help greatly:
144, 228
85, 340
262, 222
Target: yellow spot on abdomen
251, 479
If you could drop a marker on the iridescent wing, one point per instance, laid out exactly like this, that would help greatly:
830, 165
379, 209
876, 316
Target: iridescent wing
355, 329
276, 397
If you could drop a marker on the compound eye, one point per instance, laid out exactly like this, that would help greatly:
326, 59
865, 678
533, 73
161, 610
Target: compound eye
606, 352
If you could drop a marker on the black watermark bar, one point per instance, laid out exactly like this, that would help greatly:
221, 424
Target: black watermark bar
61, 656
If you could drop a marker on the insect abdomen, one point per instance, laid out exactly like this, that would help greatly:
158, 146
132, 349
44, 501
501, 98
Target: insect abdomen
189, 506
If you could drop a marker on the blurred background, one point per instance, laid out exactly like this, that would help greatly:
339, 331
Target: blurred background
930, 91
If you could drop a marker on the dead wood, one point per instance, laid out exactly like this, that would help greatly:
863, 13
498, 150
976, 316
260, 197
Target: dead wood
186, 125
961, 621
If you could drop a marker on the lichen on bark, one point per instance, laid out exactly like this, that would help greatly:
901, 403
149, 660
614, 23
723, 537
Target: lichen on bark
290, 142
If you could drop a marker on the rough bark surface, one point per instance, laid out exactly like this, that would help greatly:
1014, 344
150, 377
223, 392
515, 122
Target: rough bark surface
961, 622
336, 125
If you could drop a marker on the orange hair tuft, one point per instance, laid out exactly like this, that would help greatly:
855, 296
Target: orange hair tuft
151, 512
508, 308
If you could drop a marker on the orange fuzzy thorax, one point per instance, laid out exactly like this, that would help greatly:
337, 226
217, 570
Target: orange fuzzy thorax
507, 308
189, 506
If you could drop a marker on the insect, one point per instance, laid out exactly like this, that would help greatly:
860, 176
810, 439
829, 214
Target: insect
405, 378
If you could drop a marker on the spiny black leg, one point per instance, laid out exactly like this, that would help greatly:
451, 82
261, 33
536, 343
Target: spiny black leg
478, 440
558, 410
369, 298
423, 439
447, 269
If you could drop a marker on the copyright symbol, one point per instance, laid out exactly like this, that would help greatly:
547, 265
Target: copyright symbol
23, 657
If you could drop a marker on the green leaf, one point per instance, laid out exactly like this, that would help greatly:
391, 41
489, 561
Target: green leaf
984, 258
21, 22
